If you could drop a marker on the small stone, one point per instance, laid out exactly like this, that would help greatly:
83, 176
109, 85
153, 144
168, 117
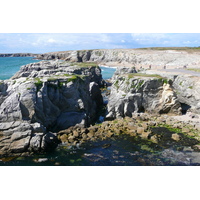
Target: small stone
152, 123
70, 139
41, 160
75, 133
64, 138
90, 134
196, 147
84, 136
185, 130
191, 134
145, 126
110, 134
154, 139
175, 137
117, 131
57, 163
140, 130
145, 135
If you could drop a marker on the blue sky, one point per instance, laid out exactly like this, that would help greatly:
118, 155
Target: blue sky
49, 42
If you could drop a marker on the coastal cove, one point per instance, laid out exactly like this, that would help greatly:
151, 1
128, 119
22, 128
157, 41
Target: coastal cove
10, 65
50, 113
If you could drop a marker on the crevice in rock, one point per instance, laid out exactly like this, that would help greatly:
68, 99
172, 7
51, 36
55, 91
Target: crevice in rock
185, 108
141, 110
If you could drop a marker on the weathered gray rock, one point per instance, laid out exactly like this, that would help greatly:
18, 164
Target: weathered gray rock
46, 95
186, 84
138, 93
129, 57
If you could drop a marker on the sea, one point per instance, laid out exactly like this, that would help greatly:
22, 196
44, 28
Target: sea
10, 65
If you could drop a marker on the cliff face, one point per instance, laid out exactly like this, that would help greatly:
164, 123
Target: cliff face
61, 96
129, 57
132, 92
186, 84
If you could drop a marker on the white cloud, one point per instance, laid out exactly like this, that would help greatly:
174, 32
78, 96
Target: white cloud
149, 38
51, 40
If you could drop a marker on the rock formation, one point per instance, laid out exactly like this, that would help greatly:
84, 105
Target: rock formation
43, 97
18, 55
129, 57
186, 84
134, 92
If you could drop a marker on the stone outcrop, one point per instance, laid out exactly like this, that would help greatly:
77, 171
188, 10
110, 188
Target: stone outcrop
186, 84
18, 55
44, 97
129, 57
136, 92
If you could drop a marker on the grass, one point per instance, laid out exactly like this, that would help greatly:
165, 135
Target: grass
73, 78
132, 75
84, 64
38, 84
194, 69
187, 49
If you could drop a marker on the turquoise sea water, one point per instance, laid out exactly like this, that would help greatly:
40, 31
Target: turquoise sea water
10, 65
107, 72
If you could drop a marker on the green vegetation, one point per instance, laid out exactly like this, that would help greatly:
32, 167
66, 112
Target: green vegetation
194, 69
28, 88
73, 78
187, 49
51, 79
116, 84
98, 53
181, 83
84, 64
190, 87
132, 75
38, 84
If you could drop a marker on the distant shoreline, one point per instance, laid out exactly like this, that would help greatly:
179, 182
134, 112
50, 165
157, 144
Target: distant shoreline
18, 55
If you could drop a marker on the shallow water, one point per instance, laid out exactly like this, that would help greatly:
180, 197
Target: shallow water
122, 150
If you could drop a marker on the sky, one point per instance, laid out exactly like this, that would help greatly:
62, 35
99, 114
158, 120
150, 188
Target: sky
50, 42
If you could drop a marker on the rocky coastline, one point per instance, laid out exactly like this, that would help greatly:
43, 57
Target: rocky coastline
18, 55
139, 58
43, 98
60, 101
